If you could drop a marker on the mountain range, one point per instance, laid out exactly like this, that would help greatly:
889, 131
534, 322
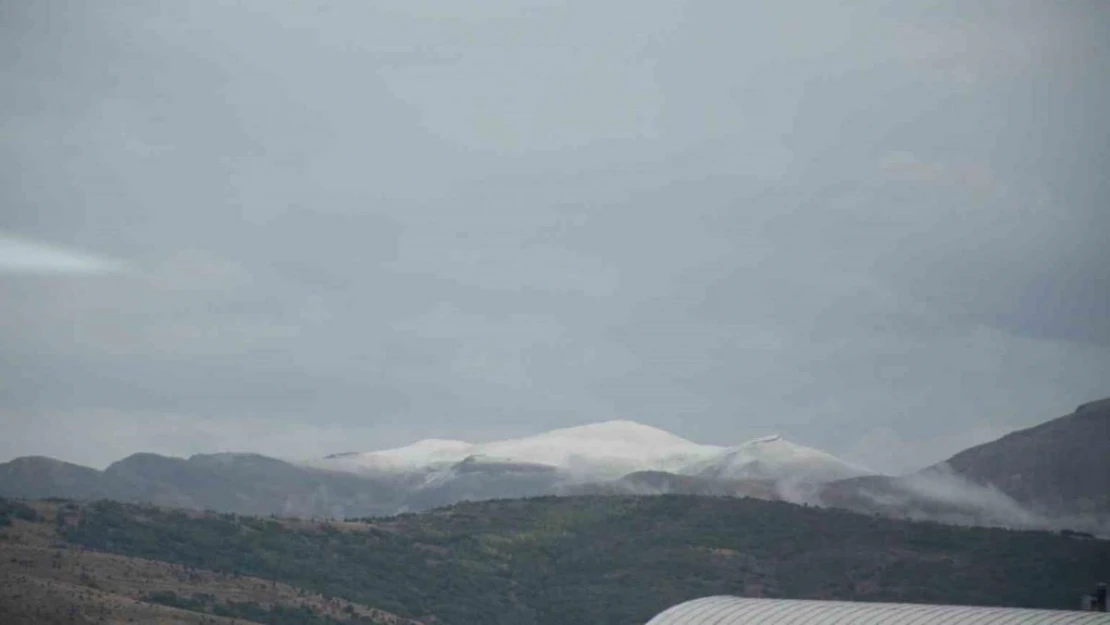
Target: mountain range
1053, 475
613, 456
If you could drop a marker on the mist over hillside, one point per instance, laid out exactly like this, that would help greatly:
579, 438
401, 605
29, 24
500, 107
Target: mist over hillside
1056, 474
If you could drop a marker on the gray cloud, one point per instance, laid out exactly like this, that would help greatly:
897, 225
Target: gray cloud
876, 230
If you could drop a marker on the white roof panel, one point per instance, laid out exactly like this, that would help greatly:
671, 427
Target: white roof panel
725, 610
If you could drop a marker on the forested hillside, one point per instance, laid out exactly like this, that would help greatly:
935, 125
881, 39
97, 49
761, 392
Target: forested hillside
611, 560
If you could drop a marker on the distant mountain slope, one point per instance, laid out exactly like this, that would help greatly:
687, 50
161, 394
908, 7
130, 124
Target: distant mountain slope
255, 484
1052, 475
663, 483
599, 560
39, 476
774, 458
1059, 467
241, 483
934, 496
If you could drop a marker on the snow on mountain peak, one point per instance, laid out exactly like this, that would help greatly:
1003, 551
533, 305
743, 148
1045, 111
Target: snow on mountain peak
621, 430
609, 450
433, 445
775, 458
422, 453
606, 449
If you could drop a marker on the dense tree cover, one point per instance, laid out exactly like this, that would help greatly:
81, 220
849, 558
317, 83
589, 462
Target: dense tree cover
615, 560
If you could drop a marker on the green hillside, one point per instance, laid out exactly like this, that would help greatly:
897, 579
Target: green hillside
609, 560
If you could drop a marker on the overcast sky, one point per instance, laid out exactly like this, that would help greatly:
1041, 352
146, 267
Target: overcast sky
304, 227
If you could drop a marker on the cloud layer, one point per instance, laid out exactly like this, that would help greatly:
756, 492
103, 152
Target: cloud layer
877, 230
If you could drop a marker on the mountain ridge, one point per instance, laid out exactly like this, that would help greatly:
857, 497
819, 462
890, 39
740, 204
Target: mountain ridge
604, 450
429, 473
1052, 475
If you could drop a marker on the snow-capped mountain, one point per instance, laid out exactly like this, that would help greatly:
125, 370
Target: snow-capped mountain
774, 458
979, 486
598, 450
429, 452
602, 451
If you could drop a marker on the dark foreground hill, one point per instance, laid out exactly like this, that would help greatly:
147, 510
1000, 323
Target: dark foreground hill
46, 580
603, 560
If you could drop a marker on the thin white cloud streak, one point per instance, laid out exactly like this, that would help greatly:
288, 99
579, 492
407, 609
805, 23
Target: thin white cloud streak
22, 256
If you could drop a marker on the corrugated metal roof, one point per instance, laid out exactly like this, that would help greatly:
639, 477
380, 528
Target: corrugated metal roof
725, 610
